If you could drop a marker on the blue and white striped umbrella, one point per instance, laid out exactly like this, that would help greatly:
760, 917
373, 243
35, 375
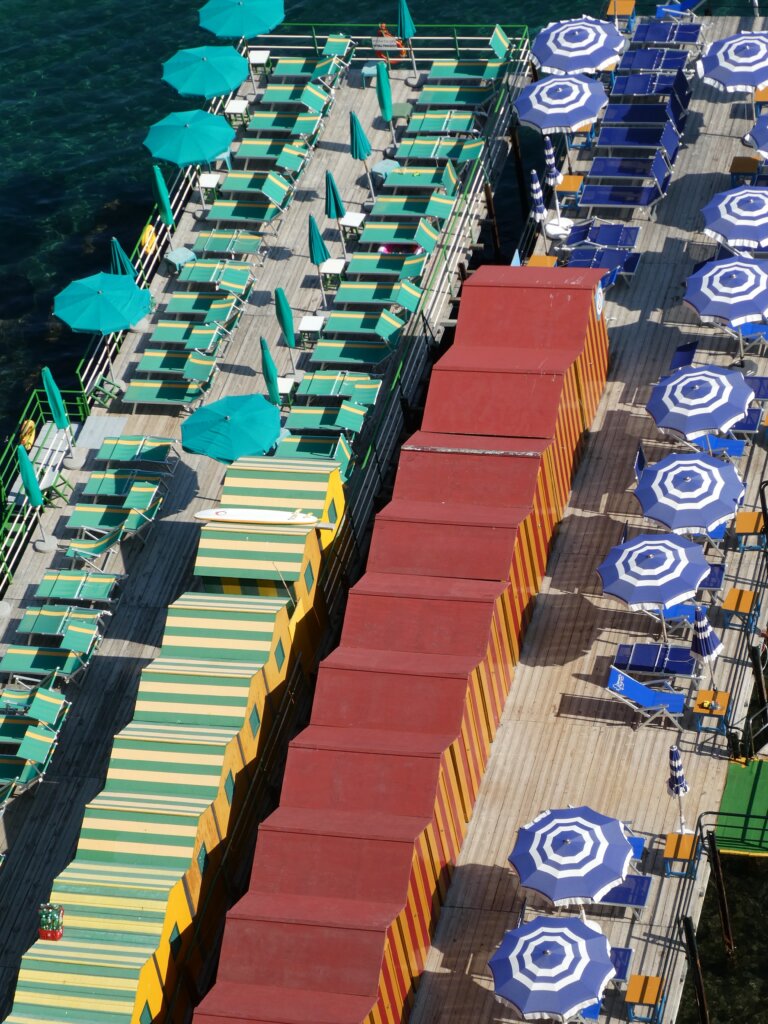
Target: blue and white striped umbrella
733, 291
654, 570
571, 855
677, 784
699, 399
757, 136
537, 199
561, 104
552, 175
577, 45
690, 493
706, 645
738, 217
552, 967
737, 63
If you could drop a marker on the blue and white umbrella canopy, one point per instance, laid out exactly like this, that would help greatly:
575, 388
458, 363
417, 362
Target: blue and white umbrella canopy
738, 217
537, 199
577, 44
737, 63
706, 645
571, 855
677, 785
699, 399
757, 136
690, 493
552, 175
561, 104
732, 291
654, 570
552, 968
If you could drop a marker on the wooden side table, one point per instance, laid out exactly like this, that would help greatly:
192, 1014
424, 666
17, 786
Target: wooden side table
681, 848
749, 524
645, 998
741, 604
623, 11
712, 704
569, 190
743, 170
540, 260
761, 100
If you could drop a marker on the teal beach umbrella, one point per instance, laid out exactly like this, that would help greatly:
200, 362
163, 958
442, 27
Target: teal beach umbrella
334, 205
206, 71
384, 94
34, 494
359, 146
406, 29
234, 426
119, 261
269, 370
162, 198
189, 137
102, 303
318, 250
55, 401
285, 319
241, 19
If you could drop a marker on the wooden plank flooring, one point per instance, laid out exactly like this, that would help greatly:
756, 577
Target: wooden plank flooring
39, 830
562, 739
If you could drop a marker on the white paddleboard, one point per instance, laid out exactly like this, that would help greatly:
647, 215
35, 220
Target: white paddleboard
262, 516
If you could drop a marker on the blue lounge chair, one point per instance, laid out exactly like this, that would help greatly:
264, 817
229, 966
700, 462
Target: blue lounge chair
678, 618
619, 261
649, 84
628, 169
601, 235
621, 958
649, 704
655, 660
624, 197
652, 60
666, 33
721, 447
748, 425
618, 137
713, 581
646, 115
683, 356
678, 11
633, 893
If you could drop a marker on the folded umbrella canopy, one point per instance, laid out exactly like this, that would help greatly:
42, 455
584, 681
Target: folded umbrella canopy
269, 370
552, 967
738, 217
241, 19
406, 29
285, 317
102, 303
737, 63
561, 104
189, 137
162, 198
234, 426
690, 493
359, 146
384, 96
119, 262
572, 854
577, 45
706, 645
206, 71
334, 204
696, 400
318, 250
677, 784
34, 494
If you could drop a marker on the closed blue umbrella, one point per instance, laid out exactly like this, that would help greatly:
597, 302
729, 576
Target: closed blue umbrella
706, 645
241, 19
189, 137
737, 63
231, 428
677, 784
553, 177
555, 105
572, 855
552, 967
206, 71
119, 260
690, 493
653, 571
406, 29
696, 400
318, 250
537, 202
738, 217
359, 146
102, 303
384, 96
269, 370
577, 45
162, 198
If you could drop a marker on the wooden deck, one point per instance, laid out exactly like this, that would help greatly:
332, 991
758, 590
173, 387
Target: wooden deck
562, 740
39, 830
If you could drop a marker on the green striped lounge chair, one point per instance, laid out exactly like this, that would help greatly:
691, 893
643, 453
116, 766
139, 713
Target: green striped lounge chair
439, 147
395, 233
188, 336
394, 207
230, 242
401, 266
28, 763
441, 122
350, 323
290, 157
467, 97
140, 449
450, 70
346, 418
421, 179
78, 629
313, 97
31, 664
378, 293
230, 276
90, 550
78, 585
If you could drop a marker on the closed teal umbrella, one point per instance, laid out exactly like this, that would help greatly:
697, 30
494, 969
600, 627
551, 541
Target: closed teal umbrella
406, 29
359, 146
285, 319
162, 198
234, 426
318, 250
102, 303
33, 492
119, 261
55, 401
206, 71
384, 94
189, 137
269, 370
241, 19
334, 205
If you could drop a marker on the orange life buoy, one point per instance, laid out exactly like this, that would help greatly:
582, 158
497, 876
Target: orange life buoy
399, 45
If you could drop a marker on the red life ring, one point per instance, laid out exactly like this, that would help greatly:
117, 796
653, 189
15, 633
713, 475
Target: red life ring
387, 55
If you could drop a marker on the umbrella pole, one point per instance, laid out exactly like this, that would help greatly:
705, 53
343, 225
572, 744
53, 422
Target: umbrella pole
682, 816
664, 636
322, 289
341, 238
370, 181
200, 187
392, 132
741, 348
557, 205
47, 543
